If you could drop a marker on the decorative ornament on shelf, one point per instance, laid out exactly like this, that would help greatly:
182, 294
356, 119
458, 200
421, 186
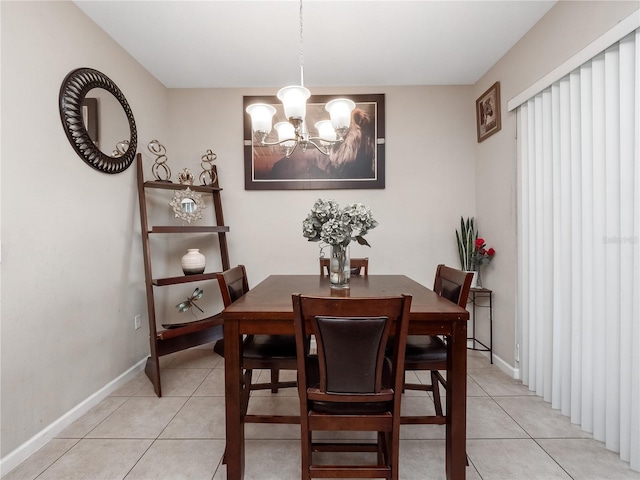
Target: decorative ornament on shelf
209, 173
191, 302
160, 165
193, 262
294, 132
185, 177
187, 205
337, 227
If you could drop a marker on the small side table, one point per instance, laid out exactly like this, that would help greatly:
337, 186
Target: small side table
478, 297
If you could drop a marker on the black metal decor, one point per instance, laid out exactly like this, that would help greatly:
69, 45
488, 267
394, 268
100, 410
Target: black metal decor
72, 93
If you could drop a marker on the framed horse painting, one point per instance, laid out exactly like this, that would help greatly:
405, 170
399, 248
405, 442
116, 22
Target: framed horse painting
356, 162
488, 112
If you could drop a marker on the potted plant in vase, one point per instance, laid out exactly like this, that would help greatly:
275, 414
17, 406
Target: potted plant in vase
466, 238
472, 250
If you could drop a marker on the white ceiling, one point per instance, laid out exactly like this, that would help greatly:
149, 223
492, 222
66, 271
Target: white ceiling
238, 43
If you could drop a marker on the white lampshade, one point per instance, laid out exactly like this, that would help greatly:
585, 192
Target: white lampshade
340, 110
261, 116
286, 132
294, 100
325, 130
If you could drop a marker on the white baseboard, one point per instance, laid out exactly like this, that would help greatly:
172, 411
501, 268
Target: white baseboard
513, 372
20, 454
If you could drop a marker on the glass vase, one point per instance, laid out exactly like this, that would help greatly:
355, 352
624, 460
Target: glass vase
339, 267
474, 278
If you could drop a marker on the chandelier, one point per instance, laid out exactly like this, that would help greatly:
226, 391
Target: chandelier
294, 132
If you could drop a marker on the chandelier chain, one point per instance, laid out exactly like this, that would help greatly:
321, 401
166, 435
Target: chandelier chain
301, 50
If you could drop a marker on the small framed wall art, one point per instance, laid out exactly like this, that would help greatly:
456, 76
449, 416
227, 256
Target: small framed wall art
488, 112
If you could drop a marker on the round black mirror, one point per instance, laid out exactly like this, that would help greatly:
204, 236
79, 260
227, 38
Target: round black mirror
82, 121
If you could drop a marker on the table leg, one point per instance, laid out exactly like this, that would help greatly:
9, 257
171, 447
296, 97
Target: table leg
456, 442
234, 453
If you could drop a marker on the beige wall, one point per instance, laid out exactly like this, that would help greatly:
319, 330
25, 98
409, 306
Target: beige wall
429, 183
566, 29
71, 255
427, 160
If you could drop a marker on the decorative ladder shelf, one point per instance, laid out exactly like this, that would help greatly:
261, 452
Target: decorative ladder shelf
198, 332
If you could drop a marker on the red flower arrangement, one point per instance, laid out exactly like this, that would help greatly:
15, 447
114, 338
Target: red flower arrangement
481, 255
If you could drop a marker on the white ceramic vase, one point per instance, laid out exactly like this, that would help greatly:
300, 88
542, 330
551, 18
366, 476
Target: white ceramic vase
193, 262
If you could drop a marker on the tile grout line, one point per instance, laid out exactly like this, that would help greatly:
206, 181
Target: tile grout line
59, 457
555, 461
140, 458
78, 440
534, 440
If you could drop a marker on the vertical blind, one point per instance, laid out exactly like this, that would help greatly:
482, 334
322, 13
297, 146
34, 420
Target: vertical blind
578, 246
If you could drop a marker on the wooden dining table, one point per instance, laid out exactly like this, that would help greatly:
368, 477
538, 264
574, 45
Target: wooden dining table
267, 309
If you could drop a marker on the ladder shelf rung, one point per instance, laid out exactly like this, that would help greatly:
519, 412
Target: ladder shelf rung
160, 282
190, 229
190, 327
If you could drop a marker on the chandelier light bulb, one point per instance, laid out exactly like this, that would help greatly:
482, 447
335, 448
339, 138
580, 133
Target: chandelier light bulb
294, 101
340, 111
325, 130
286, 133
261, 116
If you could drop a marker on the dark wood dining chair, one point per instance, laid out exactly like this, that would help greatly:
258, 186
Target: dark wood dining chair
350, 385
359, 266
270, 352
426, 352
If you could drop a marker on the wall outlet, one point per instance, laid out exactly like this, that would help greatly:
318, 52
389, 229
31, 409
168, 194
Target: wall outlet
136, 321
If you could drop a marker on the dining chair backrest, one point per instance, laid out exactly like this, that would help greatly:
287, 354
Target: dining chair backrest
351, 336
233, 284
359, 266
453, 284
429, 352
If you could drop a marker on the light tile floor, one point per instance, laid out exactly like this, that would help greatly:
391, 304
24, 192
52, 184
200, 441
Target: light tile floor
512, 434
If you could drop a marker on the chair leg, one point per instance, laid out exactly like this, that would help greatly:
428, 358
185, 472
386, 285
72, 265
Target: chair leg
275, 378
246, 391
394, 454
306, 441
436, 392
